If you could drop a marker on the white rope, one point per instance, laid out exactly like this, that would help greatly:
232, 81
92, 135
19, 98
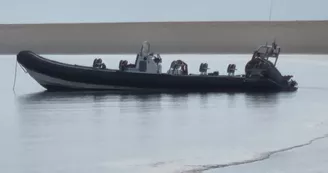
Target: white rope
270, 12
15, 76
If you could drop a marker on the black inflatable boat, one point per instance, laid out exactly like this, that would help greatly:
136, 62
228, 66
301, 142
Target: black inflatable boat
146, 74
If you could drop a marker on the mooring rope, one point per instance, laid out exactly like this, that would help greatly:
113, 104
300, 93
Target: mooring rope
15, 76
16, 73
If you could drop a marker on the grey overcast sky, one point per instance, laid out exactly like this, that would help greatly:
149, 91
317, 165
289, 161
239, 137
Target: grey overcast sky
67, 11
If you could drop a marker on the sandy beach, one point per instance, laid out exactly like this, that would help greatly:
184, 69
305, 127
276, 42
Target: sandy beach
299, 37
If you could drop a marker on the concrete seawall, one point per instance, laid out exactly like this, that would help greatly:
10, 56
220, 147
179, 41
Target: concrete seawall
310, 37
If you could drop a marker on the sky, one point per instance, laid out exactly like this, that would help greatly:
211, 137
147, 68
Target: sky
80, 11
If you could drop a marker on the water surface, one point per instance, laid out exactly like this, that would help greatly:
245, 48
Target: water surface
105, 132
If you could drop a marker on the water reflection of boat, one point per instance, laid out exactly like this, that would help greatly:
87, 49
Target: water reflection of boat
46, 96
266, 99
153, 99
146, 74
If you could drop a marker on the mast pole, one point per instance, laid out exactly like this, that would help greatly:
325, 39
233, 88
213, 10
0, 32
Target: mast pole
270, 18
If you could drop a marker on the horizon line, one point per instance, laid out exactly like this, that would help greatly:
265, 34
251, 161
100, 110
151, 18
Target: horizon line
167, 22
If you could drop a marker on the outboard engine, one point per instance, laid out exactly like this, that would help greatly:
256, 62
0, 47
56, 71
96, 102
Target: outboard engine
264, 68
261, 66
231, 69
203, 68
292, 83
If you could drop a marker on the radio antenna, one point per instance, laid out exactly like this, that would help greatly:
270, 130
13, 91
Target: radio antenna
270, 11
270, 16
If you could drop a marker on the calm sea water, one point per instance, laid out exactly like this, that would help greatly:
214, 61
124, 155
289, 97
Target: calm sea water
215, 132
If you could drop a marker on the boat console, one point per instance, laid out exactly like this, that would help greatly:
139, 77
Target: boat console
146, 62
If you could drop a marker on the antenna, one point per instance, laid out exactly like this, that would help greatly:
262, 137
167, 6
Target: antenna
270, 16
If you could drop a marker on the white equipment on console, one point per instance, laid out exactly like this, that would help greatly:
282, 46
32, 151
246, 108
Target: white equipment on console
146, 61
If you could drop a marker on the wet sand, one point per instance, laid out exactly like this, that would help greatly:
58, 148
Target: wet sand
308, 37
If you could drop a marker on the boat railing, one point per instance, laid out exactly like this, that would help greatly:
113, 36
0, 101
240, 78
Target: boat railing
267, 51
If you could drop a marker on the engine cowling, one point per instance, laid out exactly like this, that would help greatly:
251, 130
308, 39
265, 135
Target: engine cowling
263, 68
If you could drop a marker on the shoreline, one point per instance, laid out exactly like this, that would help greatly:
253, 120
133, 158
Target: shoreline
204, 37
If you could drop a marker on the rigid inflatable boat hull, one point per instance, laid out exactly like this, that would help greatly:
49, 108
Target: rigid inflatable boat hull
56, 76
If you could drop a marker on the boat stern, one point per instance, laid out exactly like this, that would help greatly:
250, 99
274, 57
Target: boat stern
291, 85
